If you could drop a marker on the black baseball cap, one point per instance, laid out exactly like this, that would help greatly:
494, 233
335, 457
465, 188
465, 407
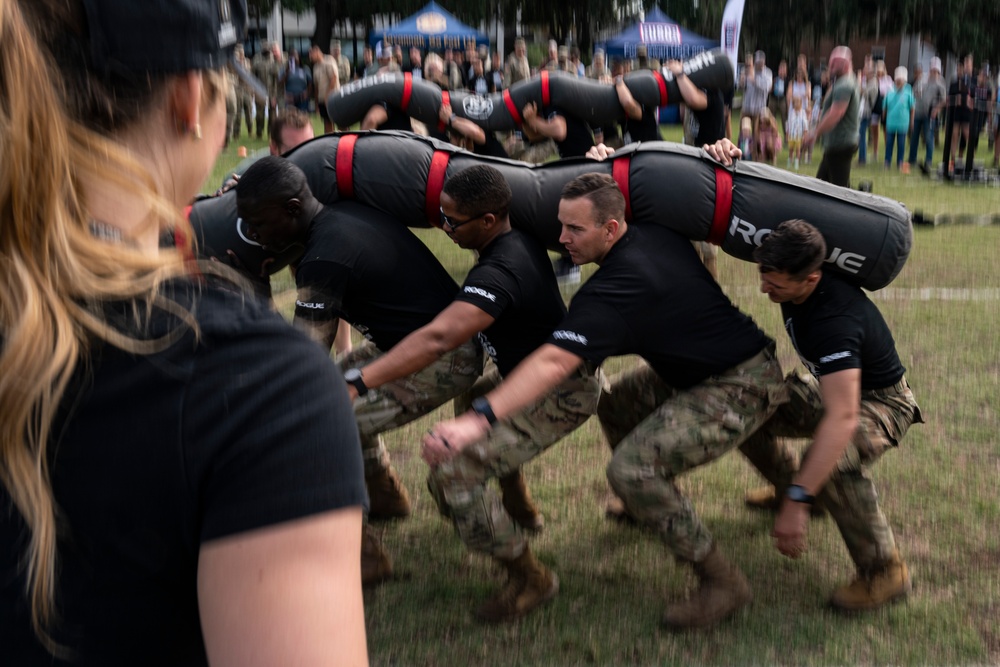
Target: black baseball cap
129, 37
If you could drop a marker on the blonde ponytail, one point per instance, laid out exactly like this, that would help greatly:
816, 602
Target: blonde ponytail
53, 273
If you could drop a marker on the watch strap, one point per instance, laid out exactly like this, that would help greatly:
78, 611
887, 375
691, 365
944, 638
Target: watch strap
481, 406
355, 377
798, 494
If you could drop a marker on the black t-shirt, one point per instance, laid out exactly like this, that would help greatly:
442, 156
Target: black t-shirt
838, 328
492, 147
514, 283
645, 129
397, 120
366, 267
959, 91
578, 139
653, 297
481, 85
711, 119
244, 425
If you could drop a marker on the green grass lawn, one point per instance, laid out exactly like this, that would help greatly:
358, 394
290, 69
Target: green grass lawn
939, 492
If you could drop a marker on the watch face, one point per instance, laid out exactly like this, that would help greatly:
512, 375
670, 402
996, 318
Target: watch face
352, 375
798, 494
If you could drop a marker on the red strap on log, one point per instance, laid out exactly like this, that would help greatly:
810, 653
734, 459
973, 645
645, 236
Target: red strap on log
407, 91
435, 182
512, 109
345, 165
545, 88
619, 172
723, 206
662, 83
445, 101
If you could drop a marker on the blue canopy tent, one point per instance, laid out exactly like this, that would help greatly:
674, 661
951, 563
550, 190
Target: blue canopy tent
664, 39
431, 29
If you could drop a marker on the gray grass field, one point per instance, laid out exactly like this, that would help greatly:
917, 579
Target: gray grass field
940, 492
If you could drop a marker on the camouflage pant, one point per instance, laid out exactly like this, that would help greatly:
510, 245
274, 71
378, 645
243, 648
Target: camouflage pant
849, 495
459, 485
659, 432
532, 153
401, 401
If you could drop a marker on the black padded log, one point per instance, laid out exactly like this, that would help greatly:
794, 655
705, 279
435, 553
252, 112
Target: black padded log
669, 184
593, 102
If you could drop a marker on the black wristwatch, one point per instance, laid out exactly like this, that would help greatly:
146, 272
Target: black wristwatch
481, 406
798, 494
354, 377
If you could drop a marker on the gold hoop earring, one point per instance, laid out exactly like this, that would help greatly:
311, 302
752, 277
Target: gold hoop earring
196, 131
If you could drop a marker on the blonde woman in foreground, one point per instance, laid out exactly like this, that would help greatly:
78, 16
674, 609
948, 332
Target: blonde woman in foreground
180, 476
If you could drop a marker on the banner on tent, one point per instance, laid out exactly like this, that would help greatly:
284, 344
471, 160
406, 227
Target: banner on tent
431, 42
732, 19
660, 33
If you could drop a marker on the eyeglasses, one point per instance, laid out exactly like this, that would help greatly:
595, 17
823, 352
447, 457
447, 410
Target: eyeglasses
452, 224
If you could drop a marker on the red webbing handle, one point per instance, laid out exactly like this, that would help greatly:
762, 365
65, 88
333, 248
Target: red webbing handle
723, 206
619, 172
435, 182
344, 165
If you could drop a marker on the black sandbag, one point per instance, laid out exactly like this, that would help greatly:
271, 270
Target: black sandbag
418, 98
597, 103
390, 171
668, 184
868, 237
593, 102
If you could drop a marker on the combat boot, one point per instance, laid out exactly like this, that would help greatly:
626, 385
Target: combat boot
722, 590
762, 498
766, 498
529, 585
376, 566
871, 590
616, 511
387, 497
518, 503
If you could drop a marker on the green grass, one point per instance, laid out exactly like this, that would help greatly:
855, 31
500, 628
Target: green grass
939, 492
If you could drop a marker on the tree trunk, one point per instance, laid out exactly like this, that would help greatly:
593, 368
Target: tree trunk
325, 12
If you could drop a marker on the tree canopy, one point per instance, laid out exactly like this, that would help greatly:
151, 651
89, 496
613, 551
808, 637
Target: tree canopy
777, 26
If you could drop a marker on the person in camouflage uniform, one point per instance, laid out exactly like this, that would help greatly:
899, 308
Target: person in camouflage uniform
350, 270
856, 405
244, 100
343, 64
517, 67
712, 381
510, 300
267, 66
231, 98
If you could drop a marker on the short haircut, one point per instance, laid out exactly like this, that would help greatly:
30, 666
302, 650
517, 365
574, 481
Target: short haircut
290, 117
603, 193
480, 189
794, 247
271, 180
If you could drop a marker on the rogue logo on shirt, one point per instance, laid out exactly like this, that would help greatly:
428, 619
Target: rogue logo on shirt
310, 305
562, 334
479, 291
834, 357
